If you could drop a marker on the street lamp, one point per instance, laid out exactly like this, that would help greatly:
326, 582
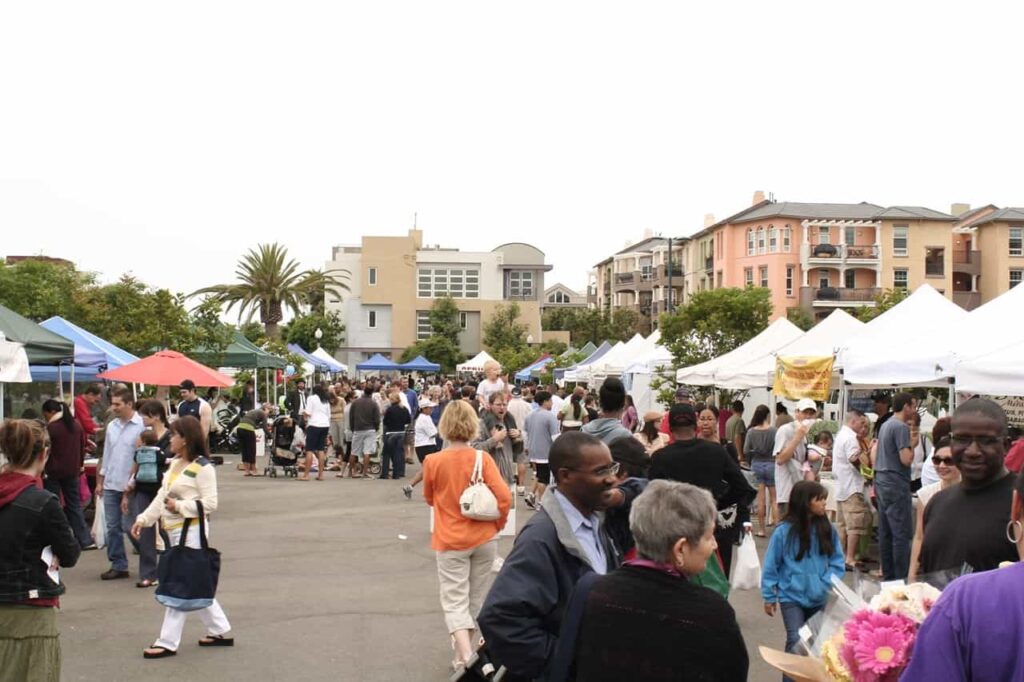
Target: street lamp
319, 334
529, 339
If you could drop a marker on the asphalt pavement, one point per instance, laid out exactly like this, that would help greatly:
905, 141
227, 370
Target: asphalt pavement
331, 580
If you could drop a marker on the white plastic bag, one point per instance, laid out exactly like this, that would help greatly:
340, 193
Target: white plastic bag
99, 525
746, 566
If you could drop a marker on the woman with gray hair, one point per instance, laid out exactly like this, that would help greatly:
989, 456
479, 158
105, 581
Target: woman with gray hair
647, 619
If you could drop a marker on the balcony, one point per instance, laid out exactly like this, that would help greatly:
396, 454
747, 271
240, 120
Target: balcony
836, 297
661, 274
967, 262
636, 281
830, 253
709, 264
968, 300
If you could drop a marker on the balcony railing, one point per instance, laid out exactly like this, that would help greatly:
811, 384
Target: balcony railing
934, 268
624, 278
677, 271
709, 263
843, 251
841, 295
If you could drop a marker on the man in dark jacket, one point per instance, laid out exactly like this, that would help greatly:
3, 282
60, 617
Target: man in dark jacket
500, 437
566, 539
295, 403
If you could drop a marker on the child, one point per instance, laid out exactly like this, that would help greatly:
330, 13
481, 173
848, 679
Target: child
631, 480
803, 555
817, 455
425, 443
148, 461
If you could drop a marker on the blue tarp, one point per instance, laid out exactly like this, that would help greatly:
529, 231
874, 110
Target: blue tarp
317, 363
92, 354
596, 355
419, 364
377, 363
525, 373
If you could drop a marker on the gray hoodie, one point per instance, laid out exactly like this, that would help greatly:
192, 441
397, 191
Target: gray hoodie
607, 429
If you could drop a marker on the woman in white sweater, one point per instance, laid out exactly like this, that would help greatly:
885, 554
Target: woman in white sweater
190, 477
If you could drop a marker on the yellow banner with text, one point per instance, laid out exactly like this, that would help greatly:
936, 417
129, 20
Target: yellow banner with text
803, 377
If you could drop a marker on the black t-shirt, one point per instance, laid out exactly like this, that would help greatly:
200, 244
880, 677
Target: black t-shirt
189, 408
968, 526
396, 418
705, 464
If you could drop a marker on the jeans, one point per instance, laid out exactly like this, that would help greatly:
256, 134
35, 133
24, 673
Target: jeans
895, 524
118, 525
393, 454
147, 538
72, 506
793, 617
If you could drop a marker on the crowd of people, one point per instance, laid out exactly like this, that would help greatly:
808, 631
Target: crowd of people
616, 575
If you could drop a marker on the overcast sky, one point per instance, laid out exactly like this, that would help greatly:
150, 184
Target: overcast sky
166, 138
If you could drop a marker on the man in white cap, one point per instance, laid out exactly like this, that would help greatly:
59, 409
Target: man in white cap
790, 451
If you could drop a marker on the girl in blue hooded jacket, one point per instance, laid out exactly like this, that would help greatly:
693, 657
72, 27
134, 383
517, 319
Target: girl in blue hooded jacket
803, 555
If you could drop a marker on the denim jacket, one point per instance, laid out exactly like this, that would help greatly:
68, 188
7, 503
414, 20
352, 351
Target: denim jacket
34, 520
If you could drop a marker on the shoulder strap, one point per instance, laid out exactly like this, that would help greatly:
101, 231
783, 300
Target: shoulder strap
478, 468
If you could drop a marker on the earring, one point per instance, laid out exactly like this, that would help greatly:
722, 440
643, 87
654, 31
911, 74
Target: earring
1014, 537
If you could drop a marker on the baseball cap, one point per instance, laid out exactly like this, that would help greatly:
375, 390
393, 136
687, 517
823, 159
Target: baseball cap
683, 392
187, 385
682, 414
806, 404
427, 403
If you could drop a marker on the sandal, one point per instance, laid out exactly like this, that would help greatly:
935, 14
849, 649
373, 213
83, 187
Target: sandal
162, 652
217, 640
302, 478
147, 583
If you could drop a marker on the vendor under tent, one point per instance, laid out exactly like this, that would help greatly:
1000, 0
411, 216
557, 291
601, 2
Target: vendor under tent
476, 363
377, 363
420, 364
821, 340
560, 372
336, 367
42, 346
92, 353
167, 368
911, 344
774, 336
13, 366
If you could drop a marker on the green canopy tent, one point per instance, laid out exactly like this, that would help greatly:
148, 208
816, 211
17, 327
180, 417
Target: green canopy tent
241, 353
42, 346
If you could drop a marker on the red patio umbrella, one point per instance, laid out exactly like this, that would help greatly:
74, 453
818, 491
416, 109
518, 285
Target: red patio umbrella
167, 368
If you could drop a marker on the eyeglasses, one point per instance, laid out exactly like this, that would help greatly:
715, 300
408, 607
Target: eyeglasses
609, 470
984, 442
948, 461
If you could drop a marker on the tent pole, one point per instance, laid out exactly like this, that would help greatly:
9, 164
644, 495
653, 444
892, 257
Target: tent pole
72, 390
255, 387
1, 400
60, 383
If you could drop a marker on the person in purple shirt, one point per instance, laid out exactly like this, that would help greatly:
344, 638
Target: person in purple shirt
974, 629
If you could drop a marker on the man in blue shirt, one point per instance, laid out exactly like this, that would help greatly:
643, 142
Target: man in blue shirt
892, 488
115, 472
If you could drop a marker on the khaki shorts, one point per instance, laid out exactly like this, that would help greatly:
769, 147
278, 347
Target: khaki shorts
855, 515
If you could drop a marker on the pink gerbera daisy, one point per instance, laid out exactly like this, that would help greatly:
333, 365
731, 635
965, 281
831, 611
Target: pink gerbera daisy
877, 645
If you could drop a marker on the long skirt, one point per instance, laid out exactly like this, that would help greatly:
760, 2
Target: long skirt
29, 644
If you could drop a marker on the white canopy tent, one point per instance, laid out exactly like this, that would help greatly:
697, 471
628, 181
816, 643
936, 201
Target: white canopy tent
13, 366
774, 336
476, 363
1001, 372
990, 347
616, 360
335, 365
821, 340
582, 371
909, 344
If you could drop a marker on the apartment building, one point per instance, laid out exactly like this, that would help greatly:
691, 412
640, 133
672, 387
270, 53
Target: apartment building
560, 296
988, 253
395, 280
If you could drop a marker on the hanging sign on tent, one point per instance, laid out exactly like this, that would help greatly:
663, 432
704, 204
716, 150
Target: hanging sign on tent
803, 377
1013, 405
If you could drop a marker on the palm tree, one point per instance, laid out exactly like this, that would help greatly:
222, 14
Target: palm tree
269, 281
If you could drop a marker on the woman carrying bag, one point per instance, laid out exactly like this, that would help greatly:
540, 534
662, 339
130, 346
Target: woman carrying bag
466, 547
190, 485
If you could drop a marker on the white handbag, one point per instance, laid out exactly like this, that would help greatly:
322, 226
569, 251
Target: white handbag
477, 501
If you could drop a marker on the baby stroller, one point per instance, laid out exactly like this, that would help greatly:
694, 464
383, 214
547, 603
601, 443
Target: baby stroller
284, 453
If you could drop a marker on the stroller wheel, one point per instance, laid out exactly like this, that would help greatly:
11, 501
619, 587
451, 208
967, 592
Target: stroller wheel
374, 468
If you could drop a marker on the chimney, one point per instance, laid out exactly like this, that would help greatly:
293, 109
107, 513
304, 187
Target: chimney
709, 219
959, 209
758, 198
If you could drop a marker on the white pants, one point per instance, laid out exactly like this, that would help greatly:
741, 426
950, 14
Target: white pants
174, 620
465, 577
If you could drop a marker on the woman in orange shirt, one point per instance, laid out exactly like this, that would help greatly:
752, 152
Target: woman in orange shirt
466, 549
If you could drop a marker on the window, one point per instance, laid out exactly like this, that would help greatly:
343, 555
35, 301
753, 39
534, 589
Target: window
824, 281
850, 279
520, 284
789, 280
850, 236
371, 319
371, 277
773, 239
721, 279
458, 282
760, 240
899, 240
824, 234
1017, 241
748, 277
423, 328
463, 320
763, 276
787, 238
751, 242
934, 261
646, 273
1016, 275
558, 297
899, 278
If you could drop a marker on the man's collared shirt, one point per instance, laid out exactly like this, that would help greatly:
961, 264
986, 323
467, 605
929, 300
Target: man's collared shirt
587, 532
119, 451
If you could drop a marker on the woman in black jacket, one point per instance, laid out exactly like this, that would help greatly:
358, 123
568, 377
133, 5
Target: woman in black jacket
395, 419
30, 519
64, 466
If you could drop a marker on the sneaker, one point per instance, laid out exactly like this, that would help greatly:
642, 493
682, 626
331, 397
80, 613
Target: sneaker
90, 546
531, 501
520, 490
407, 490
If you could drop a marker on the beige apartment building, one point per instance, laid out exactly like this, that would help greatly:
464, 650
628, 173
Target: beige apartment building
395, 280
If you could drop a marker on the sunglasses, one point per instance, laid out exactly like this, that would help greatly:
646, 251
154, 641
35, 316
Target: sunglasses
948, 461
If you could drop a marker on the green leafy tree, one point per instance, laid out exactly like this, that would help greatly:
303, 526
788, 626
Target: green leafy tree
714, 322
883, 301
141, 320
40, 289
444, 319
437, 349
302, 330
504, 331
585, 324
253, 331
270, 282
207, 329
800, 318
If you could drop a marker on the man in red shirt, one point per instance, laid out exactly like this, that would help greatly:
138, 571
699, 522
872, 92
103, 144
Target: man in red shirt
83, 411
682, 397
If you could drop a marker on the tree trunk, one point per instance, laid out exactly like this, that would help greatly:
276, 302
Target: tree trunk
271, 316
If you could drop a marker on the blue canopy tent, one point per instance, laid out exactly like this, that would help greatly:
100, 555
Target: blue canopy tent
596, 355
525, 373
419, 364
318, 364
92, 354
378, 363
